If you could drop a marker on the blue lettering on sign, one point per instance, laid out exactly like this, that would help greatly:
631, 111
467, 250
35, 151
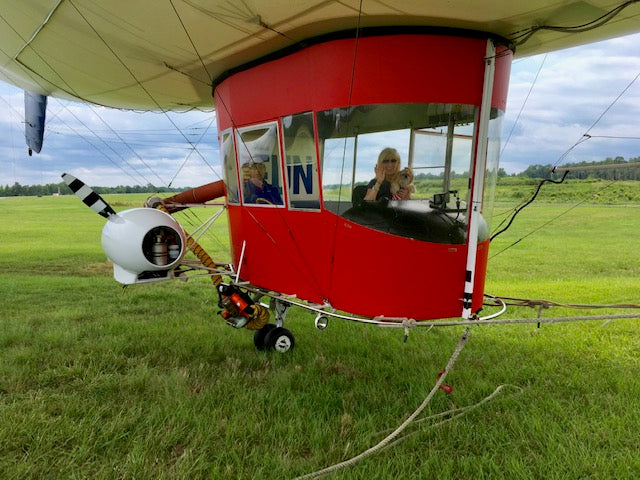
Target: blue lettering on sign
301, 172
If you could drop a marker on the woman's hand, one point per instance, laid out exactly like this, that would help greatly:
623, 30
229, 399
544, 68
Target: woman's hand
379, 170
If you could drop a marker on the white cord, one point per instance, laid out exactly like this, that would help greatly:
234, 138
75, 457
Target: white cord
386, 441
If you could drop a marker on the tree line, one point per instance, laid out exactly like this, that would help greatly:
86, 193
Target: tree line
17, 190
627, 173
533, 171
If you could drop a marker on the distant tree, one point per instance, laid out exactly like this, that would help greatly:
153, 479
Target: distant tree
544, 171
49, 189
537, 171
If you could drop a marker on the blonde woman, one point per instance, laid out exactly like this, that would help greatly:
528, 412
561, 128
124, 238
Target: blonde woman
386, 168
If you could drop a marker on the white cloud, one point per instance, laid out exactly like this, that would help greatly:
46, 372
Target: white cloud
109, 147
573, 89
571, 92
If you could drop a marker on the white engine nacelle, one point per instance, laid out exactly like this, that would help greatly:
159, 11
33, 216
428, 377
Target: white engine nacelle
144, 245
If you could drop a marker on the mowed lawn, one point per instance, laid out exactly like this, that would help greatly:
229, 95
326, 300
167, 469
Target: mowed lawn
149, 383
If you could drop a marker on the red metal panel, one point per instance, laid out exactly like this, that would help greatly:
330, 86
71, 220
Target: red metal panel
368, 272
318, 255
285, 251
501, 78
482, 258
388, 69
375, 273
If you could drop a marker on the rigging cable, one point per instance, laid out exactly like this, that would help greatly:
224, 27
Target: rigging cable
162, 182
68, 89
586, 136
184, 28
550, 221
344, 150
513, 127
522, 36
519, 209
141, 85
192, 150
96, 147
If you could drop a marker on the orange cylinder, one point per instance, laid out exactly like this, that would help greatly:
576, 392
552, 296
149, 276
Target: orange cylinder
202, 194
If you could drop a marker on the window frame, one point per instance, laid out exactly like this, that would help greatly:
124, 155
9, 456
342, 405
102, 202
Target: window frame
238, 132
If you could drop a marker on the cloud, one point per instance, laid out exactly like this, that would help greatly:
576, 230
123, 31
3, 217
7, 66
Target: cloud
110, 147
575, 94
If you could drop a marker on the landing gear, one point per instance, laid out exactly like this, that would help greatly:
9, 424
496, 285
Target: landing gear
260, 336
242, 311
272, 337
279, 339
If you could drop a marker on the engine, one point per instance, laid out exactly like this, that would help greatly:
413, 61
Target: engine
144, 245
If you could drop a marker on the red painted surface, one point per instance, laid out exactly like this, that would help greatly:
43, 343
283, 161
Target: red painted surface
320, 256
380, 274
202, 194
389, 69
501, 78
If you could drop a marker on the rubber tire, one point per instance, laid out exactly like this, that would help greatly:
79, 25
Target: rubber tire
259, 336
280, 339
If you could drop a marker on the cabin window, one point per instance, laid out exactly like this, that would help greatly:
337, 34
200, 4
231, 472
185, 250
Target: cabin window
493, 157
301, 163
259, 161
434, 140
230, 167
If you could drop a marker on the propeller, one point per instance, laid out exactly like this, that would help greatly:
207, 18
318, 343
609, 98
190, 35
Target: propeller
136, 240
90, 198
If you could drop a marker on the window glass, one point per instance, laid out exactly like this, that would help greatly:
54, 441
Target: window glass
442, 159
337, 173
491, 175
423, 155
230, 168
301, 163
259, 160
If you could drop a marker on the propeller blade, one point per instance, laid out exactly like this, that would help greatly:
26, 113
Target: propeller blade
90, 198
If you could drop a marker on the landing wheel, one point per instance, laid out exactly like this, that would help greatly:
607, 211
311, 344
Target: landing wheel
279, 339
259, 336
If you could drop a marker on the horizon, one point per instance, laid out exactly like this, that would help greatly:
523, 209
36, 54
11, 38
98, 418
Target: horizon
554, 100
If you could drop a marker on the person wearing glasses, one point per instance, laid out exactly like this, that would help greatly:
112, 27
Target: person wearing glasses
256, 188
380, 187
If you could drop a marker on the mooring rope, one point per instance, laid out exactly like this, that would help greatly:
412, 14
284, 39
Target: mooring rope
455, 412
532, 302
387, 440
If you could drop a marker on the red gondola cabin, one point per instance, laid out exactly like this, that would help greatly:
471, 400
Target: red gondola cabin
312, 121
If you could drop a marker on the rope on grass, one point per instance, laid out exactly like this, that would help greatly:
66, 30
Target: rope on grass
455, 412
386, 441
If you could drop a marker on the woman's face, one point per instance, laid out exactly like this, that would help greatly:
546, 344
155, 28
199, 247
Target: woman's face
257, 171
391, 165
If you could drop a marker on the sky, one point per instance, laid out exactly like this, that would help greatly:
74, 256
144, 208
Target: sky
554, 100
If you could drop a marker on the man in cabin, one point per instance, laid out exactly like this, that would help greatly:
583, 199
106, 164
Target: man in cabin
256, 189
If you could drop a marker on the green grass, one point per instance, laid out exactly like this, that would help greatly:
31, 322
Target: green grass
149, 383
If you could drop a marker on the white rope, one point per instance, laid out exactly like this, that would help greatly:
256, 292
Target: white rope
386, 441
459, 412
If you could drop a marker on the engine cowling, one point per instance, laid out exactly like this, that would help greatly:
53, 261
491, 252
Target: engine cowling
144, 245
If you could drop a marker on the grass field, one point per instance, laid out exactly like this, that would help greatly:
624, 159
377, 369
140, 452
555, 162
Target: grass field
149, 383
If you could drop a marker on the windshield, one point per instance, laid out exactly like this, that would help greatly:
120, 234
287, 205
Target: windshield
399, 168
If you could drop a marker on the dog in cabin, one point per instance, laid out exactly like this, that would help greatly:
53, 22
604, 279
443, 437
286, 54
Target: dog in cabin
402, 180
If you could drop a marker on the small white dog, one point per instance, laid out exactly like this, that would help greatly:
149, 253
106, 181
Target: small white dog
402, 180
